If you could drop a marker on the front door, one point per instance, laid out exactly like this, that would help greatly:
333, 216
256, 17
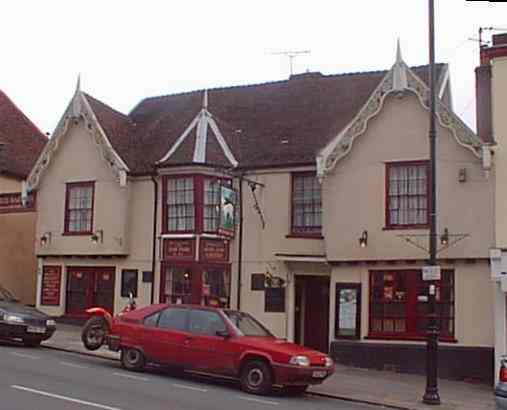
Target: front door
312, 312
89, 287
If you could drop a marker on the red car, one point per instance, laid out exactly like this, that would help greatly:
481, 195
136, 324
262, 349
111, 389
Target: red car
215, 341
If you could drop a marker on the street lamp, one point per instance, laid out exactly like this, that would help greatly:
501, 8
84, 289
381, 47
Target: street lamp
431, 395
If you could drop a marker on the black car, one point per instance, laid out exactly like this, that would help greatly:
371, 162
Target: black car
21, 322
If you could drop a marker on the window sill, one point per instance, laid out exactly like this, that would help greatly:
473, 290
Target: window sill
409, 338
405, 227
305, 236
77, 233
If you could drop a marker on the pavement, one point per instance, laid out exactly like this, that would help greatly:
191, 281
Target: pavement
355, 385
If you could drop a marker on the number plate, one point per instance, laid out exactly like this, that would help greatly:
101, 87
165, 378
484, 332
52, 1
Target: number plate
34, 329
319, 374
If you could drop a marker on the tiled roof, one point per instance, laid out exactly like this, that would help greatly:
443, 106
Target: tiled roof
271, 124
23, 141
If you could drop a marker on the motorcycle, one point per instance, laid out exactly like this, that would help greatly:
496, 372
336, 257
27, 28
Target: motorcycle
98, 327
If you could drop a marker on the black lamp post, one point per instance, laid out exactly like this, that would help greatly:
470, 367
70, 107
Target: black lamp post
431, 395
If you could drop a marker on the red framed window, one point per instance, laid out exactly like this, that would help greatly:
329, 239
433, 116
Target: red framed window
180, 204
79, 200
407, 194
306, 204
399, 304
211, 206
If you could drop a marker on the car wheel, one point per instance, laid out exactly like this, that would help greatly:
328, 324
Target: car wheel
256, 377
94, 332
296, 390
132, 359
32, 342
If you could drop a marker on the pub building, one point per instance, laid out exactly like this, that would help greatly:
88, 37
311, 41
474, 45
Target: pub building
339, 212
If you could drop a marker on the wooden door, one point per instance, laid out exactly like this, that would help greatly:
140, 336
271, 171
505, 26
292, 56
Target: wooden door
80, 285
316, 316
103, 292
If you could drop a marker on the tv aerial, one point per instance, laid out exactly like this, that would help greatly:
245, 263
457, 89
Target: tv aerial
481, 30
291, 54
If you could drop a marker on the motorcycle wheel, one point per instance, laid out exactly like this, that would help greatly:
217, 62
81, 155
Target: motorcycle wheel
94, 332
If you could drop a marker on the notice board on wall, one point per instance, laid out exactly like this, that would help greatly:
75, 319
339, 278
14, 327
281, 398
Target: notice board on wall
50, 287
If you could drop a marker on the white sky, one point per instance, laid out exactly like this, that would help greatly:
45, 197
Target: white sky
127, 50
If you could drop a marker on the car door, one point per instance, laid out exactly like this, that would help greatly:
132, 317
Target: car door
165, 336
205, 349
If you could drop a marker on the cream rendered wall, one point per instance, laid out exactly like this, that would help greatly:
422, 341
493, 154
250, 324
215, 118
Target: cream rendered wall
473, 300
9, 185
354, 193
260, 245
17, 258
499, 117
78, 159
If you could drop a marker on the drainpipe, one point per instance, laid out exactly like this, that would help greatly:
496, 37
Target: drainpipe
154, 249
240, 239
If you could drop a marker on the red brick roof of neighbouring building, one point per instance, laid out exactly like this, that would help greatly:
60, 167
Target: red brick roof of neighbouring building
22, 140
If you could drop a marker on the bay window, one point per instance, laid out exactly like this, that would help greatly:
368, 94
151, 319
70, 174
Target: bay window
180, 204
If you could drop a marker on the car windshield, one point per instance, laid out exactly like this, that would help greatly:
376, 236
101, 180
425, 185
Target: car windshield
246, 325
6, 296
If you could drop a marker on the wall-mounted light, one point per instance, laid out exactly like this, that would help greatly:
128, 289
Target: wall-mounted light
97, 236
444, 238
363, 239
45, 239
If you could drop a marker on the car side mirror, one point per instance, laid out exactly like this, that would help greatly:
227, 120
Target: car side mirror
223, 333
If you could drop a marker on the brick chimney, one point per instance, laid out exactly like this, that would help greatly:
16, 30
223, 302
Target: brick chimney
483, 85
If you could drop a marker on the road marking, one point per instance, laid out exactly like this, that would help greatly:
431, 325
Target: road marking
73, 365
130, 376
26, 356
273, 403
183, 386
57, 396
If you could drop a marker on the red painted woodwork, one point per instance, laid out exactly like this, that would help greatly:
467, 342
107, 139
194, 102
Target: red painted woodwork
388, 225
179, 249
68, 188
214, 250
89, 287
12, 203
50, 286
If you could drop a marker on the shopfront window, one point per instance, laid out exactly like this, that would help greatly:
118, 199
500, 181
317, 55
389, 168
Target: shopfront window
178, 285
215, 287
399, 304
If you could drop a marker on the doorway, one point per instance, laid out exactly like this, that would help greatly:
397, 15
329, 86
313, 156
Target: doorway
311, 327
89, 287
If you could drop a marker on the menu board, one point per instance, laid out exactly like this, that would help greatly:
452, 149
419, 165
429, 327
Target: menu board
213, 250
183, 249
50, 289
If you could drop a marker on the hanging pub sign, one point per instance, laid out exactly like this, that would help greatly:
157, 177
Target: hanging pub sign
213, 250
182, 249
227, 211
50, 287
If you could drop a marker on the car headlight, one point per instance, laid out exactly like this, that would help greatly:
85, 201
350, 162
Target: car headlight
13, 319
329, 362
50, 322
300, 360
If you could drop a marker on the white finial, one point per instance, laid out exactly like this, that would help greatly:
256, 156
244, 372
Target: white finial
399, 58
205, 100
399, 71
78, 84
